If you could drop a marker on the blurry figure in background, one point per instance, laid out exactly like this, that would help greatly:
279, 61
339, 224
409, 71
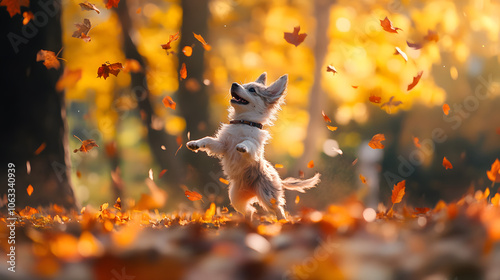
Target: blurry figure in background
369, 166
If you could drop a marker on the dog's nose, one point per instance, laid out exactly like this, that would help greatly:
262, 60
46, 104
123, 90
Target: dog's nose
234, 86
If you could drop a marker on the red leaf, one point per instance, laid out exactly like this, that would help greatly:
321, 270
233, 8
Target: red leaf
387, 26
295, 38
447, 163
40, 148
375, 143
374, 98
398, 192
108, 68
14, 6
86, 146
162, 173
170, 40
325, 117
111, 3
415, 80
168, 102
192, 195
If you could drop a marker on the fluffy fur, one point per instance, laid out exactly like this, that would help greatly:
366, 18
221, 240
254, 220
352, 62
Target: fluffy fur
241, 149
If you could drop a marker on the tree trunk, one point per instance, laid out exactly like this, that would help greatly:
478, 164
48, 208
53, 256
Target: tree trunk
33, 112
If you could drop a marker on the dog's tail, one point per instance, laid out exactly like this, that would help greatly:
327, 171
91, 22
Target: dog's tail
300, 185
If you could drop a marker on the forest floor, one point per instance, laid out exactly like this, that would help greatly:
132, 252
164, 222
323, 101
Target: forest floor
454, 241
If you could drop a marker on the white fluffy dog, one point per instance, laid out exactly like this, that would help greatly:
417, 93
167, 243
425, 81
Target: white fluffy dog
240, 146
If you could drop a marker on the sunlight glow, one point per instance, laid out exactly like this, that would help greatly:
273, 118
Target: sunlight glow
343, 24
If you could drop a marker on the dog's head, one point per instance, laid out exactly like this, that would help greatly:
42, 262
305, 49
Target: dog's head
257, 102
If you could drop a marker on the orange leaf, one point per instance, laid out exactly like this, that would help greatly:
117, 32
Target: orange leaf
30, 190
183, 72
224, 181
432, 36
362, 178
295, 38
447, 163
40, 148
496, 199
278, 165
325, 117
192, 195
297, 199
398, 192
168, 102
162, 173
310, 164
27, 16
354, 87
416, 142
415, 46
86, 146
374, 98
111, 3
118, 204
68, 79
132, 65
415, 80
446, 109
387, 26
206, 46
494, 173
108, 68
139, 10
401, 53
187, 50
83, 29
375, 143
49, 59
331, 128
170, 40
14, 6
86, 6
332, 69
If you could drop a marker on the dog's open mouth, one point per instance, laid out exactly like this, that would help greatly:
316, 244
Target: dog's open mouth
237, 99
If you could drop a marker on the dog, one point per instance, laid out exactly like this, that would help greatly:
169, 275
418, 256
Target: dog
240, 147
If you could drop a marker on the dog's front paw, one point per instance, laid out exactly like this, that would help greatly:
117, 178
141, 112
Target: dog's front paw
192, 145
241, 148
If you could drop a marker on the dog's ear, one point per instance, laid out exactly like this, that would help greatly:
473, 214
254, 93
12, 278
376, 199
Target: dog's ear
262, 78
277, 88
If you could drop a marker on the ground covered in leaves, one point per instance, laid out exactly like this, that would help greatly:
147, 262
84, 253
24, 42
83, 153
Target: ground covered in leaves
457, 240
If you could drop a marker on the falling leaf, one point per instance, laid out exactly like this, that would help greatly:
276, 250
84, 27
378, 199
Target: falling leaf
162, 173
206, 46
40, 148
87, 6
132, 65
310, 164
183, 72
30, 190
331, 128
82, 29
111, 3
297, 199
179, 143
332, 69
374, 98
389, 105
86, 146
325, 117
170, 40
415, 80
49, 59
415, 46
107, 68
496, 199
401, 53
447, 163
68, 79
168, 102
398, 192
192, 195
187, 50
494, 173
375, 143
354, 87
27, 16
14, 6
387, 26
295, 38
446, 109
78, 174
362, 178
432, 36
139, 10
416, 142
278, 165
224, 181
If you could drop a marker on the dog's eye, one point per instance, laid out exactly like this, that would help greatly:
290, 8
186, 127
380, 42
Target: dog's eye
251, 89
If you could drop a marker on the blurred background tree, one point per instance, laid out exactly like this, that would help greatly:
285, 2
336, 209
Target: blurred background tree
136, 132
